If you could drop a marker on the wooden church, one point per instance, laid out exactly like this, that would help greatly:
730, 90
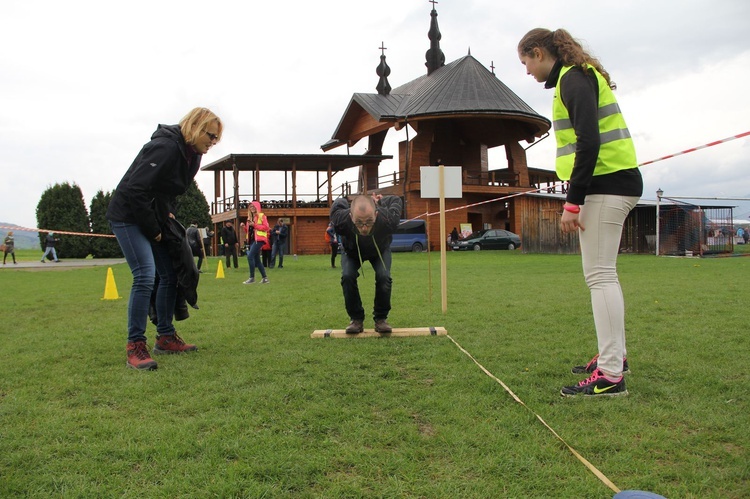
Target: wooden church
458, 112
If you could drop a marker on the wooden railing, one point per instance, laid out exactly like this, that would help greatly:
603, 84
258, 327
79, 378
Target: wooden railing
491, 178
497, 179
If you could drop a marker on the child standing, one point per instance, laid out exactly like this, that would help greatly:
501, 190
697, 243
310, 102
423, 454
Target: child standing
595, 153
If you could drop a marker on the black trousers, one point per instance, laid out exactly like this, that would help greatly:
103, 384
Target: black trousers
231, 251
334, 252
350, 270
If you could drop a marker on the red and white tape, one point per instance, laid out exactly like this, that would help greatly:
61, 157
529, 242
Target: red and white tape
692, 149
697, 148
63, 232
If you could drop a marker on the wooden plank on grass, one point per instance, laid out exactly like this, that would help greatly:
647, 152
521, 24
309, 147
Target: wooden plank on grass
371, 333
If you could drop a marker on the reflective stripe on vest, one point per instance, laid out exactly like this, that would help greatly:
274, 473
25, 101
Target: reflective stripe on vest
616, 150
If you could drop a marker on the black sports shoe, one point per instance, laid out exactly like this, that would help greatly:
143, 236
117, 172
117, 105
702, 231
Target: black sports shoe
591, 366
596, 385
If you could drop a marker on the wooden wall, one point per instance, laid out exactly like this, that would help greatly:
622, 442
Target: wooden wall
308, 235
540, 226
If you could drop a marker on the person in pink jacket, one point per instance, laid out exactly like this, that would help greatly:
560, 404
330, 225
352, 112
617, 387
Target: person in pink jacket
257, 235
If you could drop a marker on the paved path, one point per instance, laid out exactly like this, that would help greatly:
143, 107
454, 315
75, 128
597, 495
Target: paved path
62, 264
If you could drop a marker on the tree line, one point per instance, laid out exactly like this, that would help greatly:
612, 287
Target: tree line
62, 208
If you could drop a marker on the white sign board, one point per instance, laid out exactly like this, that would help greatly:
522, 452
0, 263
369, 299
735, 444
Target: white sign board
430, 180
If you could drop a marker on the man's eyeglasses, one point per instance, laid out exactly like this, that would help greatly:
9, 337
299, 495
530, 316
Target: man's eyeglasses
362, 225
212, 136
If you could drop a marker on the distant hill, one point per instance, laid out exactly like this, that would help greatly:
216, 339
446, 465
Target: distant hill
24, 239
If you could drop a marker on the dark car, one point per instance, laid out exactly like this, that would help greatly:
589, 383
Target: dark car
488, 239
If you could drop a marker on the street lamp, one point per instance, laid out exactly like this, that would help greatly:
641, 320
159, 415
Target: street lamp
659, 194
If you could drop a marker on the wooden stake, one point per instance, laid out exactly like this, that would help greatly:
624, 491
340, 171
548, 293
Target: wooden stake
429, 252
443, 264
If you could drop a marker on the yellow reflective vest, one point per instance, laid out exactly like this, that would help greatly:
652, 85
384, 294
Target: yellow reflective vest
616, 151
261, 234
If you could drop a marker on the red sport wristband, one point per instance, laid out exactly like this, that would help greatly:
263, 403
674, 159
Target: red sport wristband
572, 208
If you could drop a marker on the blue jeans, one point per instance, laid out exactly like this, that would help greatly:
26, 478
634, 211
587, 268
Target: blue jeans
146, 259
47, 251
349, 274
278, 249
253, 258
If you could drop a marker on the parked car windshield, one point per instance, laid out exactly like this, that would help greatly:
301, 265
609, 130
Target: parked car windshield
476, 234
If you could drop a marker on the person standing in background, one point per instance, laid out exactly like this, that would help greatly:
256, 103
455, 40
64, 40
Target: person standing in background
265, 254
280, 231
257, 223
10, 248
196, 243
230, 242
333, 242
50, 247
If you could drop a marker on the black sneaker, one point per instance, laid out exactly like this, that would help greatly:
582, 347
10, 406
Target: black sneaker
355, 326
596, 385
591, 366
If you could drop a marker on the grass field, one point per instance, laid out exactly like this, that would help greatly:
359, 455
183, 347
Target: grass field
263, 410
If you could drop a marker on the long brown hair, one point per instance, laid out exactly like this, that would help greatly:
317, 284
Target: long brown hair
563, 47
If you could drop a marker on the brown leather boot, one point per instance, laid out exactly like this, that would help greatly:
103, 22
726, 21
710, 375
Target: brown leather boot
138, 356
172, 344
382, 326
355, 326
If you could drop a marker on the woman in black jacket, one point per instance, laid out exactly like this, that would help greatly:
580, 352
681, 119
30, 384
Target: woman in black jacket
141, 205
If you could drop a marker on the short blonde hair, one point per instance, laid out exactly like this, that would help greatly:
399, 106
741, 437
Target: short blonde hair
196, 122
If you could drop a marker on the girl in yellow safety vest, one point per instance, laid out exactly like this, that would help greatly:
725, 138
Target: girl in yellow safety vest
257, 222
595, 154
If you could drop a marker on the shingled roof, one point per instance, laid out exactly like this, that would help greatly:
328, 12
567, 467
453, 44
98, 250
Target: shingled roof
464, 88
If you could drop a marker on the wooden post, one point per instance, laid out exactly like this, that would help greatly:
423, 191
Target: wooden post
330, 187
443, 265
256, 187
429, 253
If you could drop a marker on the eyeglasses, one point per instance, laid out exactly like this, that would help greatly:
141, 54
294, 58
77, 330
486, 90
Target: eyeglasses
362, 225
212, 136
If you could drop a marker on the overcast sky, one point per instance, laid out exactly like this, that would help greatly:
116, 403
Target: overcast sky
83, 84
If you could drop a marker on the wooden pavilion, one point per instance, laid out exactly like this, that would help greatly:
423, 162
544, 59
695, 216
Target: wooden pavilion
459, 111
306, 213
